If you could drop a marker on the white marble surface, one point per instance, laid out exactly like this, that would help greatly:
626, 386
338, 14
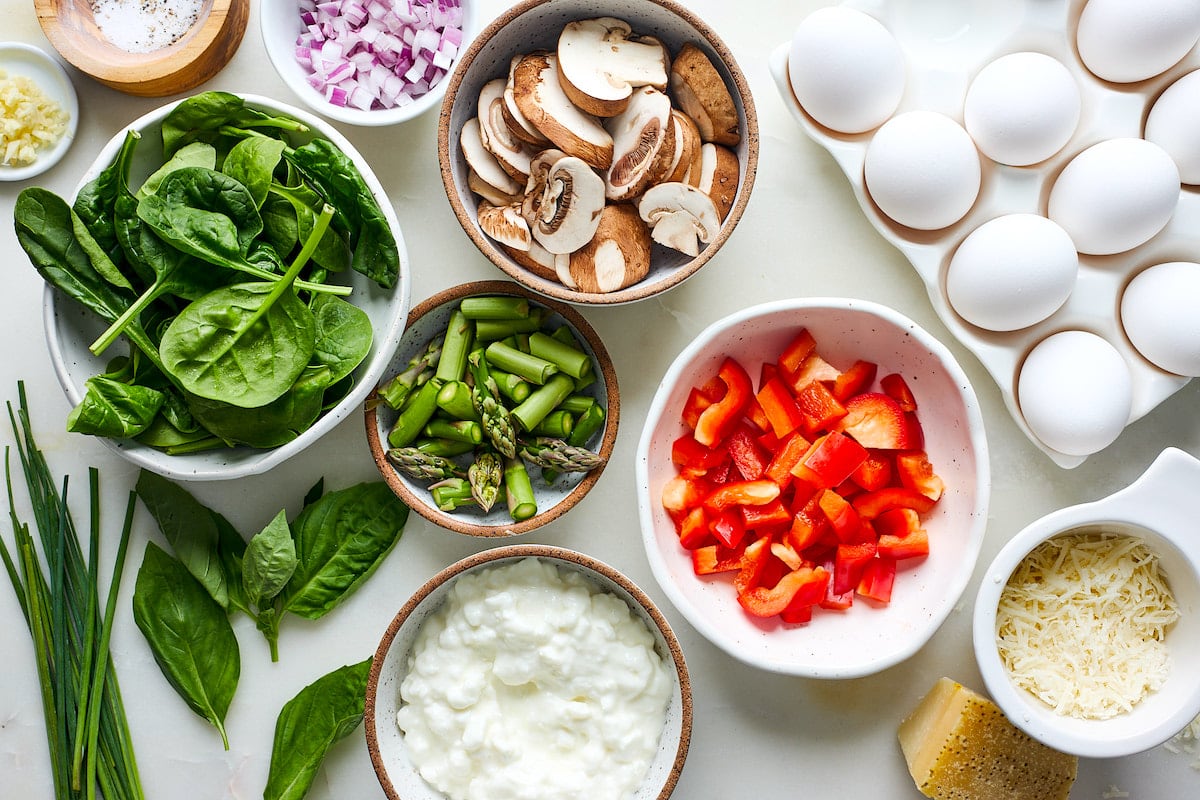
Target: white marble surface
803, 234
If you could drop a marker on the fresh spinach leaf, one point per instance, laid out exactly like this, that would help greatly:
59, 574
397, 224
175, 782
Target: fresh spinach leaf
334, 173
189, 527
251, 162
99, 257
244, 344
206, 117
325, 711
114, 408
44, 231
340, 540
162, 435
272, 425
333, 250
200, 211
344, 335
189, 635
95, 203
196, 154
314, 492
269, 561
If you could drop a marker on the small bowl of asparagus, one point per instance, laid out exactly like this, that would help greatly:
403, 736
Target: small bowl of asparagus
498, 411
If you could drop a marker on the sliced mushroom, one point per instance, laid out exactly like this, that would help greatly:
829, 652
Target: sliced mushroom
506, 225
510, 152
517, 123
566, 212
541, 99
482, 162
687, 147
617, 256
601, 62
680, 216
643, 143
535, 186
488, 192
539, 261
703, 96
718, 176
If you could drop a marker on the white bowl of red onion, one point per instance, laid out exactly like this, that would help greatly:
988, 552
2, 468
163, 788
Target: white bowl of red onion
367, 62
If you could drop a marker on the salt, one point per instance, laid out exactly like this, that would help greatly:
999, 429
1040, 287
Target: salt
143, 26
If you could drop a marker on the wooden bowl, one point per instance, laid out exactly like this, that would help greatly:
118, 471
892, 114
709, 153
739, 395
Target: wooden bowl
195, 58
429, 318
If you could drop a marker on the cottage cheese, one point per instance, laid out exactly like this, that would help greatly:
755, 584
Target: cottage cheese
532, 682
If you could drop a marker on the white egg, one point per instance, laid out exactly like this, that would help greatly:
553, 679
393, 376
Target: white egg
1115, 195
1022, 108
1174, 125
1012, 272
1160, 312
846, 69
1075, 392
1131, 40
922, 170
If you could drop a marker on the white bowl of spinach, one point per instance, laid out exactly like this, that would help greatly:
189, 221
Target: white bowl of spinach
228, 284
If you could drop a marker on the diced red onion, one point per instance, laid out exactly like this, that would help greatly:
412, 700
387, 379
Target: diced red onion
373, 54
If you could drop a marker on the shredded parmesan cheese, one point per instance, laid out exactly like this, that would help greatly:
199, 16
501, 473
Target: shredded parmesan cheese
1082, 624
29, 120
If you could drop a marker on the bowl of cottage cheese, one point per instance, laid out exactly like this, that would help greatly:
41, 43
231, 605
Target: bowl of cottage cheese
528, 671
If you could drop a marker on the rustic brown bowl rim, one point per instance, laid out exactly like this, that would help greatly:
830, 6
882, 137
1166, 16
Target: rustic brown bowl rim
608, 441
641, 290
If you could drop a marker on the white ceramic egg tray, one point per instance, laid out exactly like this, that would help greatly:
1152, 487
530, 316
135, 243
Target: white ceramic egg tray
945, 44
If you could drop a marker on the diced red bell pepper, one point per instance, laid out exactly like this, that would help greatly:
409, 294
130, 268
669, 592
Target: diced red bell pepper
808, 595
767, 517
766, 372
680, 494
877, 421
914, 544
916, 472
808, 526
763, 602
748, 456
835, 601
787, 456
854, 380
742, 493
830, 460
714, 558
719, 419
756, 415
870, 505
849, 563
877, 580
754, 559
895, 387
728, 527
897, 522
797, 350
784, 552
693, 529
841, 516
687, 452
814, 368
875, 472
780, 407
820, 409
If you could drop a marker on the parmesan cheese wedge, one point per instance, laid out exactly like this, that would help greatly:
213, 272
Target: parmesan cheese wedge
960, 746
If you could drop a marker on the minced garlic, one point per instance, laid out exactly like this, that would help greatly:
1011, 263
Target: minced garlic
29, 120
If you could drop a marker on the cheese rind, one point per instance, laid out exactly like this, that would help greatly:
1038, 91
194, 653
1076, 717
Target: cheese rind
960, 746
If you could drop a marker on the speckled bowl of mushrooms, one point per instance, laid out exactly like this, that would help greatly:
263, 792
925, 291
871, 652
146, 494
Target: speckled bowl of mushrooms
598, 157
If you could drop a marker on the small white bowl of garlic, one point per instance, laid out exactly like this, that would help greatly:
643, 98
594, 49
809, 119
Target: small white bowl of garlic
1099, 689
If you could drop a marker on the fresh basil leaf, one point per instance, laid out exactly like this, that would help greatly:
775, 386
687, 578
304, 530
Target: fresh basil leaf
231, 550
188, 526
340, 540
115, 409
189, 635
269, 561
325, 711
344, 335
244, 344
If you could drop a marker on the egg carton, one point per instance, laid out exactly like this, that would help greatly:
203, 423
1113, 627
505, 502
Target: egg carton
945, 44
